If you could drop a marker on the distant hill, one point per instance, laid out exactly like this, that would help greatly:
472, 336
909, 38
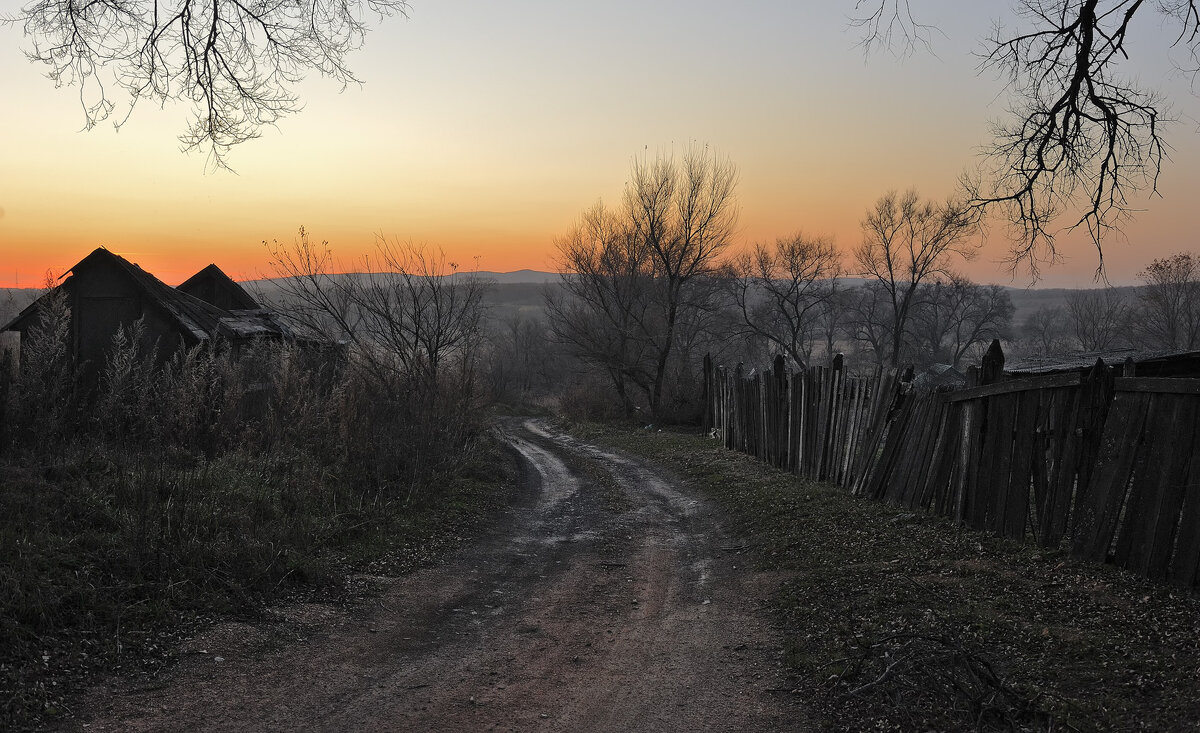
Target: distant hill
517, 277
522, 290
14, 300
1028, 300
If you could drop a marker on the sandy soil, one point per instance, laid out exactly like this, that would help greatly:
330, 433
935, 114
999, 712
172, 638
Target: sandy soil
611, 601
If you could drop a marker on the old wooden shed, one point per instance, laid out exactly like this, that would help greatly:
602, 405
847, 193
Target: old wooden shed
104, 291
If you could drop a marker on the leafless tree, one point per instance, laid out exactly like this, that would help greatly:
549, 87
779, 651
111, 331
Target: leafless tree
601, 308
642, 276
1098, 318
683, 210
1045, 331
780, 290
869, 318
954, 316
1169, 316
408, 313
906, 242
235, 61
1080, 137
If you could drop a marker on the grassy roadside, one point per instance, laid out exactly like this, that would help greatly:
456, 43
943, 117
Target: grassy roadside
105, 571
901, 622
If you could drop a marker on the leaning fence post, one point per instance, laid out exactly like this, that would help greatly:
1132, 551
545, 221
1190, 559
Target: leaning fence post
708, 397
779, 413
992, 367
1095, 397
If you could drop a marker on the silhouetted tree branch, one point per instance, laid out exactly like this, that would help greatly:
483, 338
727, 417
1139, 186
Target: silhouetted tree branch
889, 24
234, 61
1080, 137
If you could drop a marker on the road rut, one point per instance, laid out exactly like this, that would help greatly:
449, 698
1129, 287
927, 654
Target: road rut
612, 600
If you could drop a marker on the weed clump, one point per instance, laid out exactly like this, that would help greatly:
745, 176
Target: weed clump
176, 485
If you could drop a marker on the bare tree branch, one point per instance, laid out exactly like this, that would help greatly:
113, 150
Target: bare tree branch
890, 24
235, 61
1080, 138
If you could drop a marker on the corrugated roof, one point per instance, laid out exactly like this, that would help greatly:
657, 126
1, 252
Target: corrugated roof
1081, 360
253, 323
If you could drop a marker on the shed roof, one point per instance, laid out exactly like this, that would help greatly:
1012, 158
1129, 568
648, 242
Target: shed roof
1151, 360
195, 317
220, 287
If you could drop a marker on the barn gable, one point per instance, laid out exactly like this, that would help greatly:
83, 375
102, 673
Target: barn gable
105, 291
216, 288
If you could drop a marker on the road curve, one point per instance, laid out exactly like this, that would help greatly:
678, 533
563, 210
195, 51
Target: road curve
606, 604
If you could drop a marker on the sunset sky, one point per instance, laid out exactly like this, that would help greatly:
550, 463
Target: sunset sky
484, 128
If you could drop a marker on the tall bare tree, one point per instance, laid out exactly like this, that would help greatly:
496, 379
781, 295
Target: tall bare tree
780, 291
643, 276
1169, 316
1098, 318
235, 61
954, 316
1080, 136
601, 311
1045, 331
906, 242
683, 210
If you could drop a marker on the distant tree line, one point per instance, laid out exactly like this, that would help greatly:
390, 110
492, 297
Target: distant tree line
1163, 314
652, 284
649, 286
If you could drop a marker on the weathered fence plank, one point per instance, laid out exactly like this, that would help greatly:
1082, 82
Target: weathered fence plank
1101, 506
1111, 463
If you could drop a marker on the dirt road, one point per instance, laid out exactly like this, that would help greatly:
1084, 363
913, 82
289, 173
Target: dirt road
610, 601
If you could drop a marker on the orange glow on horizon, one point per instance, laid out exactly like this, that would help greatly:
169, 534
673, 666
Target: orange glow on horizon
27, 262
488, 140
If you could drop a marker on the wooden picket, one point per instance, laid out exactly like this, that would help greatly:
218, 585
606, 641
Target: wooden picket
1110, 466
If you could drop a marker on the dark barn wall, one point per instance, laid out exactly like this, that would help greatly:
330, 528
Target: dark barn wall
210, 291
214, 287
104, 299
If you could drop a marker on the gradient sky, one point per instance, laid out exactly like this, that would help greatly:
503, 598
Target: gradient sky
485, 128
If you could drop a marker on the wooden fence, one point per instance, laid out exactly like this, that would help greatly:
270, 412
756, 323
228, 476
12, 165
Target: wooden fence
1107, 466
817, 423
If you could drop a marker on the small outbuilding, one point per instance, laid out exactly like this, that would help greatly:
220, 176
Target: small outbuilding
104, 292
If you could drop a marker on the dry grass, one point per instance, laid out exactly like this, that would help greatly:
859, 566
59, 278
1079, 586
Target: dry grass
103, 572
902, 622
208, 483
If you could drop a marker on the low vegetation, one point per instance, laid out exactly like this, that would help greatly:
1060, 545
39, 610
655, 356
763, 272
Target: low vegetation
894, 621
204, 484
